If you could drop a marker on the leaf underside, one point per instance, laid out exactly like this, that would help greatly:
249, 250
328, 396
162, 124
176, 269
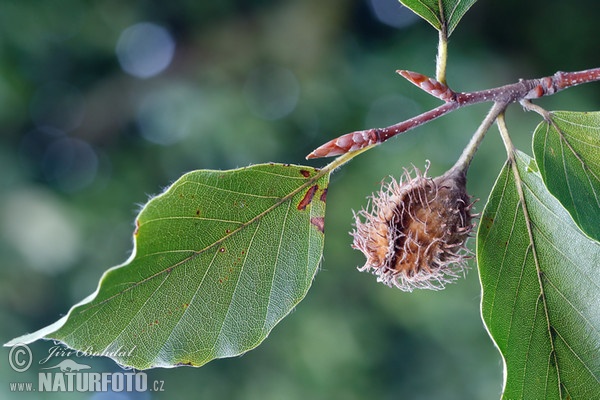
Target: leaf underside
568, 152
443, 15
219, 259
540, 289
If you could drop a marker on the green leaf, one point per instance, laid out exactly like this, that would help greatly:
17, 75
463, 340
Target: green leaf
220, 258
444, 15
567, 150
540, 289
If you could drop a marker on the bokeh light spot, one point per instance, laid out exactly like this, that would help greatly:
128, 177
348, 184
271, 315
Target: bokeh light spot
168, 115
36, 225
272, 92
71, 163
392, 13
145, 49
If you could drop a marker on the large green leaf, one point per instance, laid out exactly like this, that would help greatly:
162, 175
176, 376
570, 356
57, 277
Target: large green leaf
540, 289
220, 258
567, 150
444, 15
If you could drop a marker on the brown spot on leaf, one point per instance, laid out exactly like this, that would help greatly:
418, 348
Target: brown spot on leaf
319, 222
186, 305
185, 364
305, 173
198, 212
222, 249
323, 197
137, 227
308, 196
488, 222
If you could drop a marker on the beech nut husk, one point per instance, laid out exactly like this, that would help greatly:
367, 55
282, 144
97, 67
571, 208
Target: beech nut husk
413, 231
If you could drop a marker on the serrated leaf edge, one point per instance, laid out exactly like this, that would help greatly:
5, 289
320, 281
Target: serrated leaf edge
46, 331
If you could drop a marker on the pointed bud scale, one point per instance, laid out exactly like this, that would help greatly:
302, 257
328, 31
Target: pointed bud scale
414, 231
546, 86
349, 142
430, 85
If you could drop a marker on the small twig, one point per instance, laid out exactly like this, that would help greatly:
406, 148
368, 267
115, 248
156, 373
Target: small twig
529, 106
343, 159
516, 92
465, 158
357, 140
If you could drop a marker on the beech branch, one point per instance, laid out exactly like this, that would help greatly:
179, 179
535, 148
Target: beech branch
522, 92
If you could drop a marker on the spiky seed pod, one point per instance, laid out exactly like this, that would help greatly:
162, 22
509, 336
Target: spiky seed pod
413, 232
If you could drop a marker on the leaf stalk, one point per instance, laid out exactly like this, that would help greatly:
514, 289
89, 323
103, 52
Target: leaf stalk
442, 57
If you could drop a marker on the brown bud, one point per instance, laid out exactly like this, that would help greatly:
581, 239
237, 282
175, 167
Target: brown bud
413, 232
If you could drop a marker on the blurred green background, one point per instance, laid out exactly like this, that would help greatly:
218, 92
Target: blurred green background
104, 103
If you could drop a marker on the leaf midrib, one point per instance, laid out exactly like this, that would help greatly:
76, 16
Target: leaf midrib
519, 183
319, 174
